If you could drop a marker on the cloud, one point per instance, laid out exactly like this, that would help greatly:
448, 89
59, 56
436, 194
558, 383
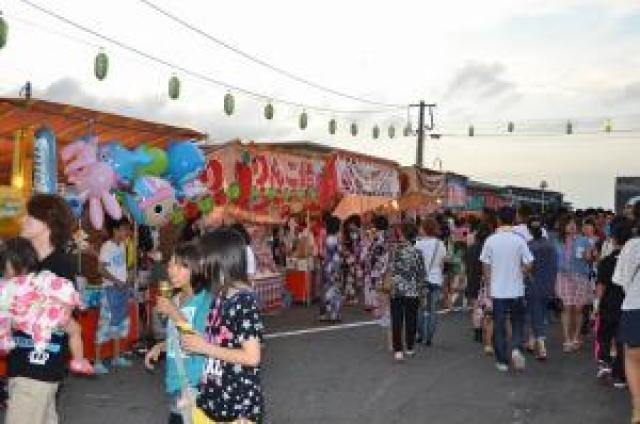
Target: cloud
484, 81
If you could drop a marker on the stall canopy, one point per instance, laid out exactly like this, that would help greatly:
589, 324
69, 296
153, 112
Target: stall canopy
283, 178
68, 123
423, 190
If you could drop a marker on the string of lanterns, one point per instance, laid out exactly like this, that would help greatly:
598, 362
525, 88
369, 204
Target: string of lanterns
568, 127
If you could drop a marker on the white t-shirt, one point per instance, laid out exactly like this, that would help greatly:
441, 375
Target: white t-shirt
114, 258
433, 249
251, 262
523, 231
627, 274
506, 252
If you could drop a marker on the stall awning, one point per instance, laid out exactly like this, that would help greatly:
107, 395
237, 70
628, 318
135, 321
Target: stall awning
69, 123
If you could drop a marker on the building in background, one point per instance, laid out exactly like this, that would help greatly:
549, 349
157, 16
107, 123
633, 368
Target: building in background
482, 196
538, 199
627, 191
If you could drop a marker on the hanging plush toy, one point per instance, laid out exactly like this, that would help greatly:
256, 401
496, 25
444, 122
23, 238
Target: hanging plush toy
93, 180
186, 162
124, 162
152, 201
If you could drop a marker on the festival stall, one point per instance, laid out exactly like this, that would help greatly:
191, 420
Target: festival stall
113, 164
423, 191
262, 188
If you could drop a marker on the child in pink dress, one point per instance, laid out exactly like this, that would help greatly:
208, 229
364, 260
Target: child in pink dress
36, 303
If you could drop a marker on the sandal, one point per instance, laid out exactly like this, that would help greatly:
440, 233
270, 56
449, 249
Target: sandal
82, 367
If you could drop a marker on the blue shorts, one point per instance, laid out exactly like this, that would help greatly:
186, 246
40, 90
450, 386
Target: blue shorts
630, 328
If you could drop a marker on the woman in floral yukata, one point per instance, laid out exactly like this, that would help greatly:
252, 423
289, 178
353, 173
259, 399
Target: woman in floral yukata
353, 264
331, 302
376, 262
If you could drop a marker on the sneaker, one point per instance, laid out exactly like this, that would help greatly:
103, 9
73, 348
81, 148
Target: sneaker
619, 383
428, 343
100, 369
541, 352
398, 356
502, 367
410, 353
604, 370
488, 350
518, 360
121, 362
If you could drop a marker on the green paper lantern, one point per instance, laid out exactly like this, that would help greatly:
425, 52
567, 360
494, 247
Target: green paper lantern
234, 191
229, 104
100, 65
255, 193
174, 87
354, 129
392, 131
303, 121
4, 32
205, 205
376, 132
608, 126
271, 193
268, 111
407, 130
333, 126
569, 128
177, 217
510, 126
472, 131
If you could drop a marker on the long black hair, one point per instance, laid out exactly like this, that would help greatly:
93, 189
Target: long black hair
20, 254
224, 259
189, 255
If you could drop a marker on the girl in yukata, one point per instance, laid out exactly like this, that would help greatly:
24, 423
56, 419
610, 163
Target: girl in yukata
376, 262
353, 260
331, 301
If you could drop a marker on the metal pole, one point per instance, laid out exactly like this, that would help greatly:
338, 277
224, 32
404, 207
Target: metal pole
420, 147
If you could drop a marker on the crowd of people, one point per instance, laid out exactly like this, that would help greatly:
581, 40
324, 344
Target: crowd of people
214, 327
511, 270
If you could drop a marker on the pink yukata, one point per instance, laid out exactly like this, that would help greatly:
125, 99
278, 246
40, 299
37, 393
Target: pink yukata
37, 304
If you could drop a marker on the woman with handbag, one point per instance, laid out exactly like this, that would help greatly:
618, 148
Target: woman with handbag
407, 280
433, 252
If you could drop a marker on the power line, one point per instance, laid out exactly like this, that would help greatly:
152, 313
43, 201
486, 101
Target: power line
193, 74
262, 62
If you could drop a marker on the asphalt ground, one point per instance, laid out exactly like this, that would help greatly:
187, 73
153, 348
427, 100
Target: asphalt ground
347, 375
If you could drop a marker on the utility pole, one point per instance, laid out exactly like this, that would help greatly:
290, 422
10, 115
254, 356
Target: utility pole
421, 128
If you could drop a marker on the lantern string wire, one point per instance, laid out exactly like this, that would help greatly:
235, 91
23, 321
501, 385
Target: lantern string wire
263, 63
195, 74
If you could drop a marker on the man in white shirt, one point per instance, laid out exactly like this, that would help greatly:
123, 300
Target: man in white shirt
505, 255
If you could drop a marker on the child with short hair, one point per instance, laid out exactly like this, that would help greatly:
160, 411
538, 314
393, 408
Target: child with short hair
35, 308
113, 324
187, 311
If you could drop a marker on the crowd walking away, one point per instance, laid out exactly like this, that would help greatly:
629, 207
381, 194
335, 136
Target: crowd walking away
529, 285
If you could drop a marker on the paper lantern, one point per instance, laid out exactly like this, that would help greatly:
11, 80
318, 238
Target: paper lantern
268, 111
229, 104
333, 126
569, 128
510, 126
392, 131
376, 132
101, 65
407, 130
174, 87
303, 121
4, 31
471, 131
608, 126
354, 129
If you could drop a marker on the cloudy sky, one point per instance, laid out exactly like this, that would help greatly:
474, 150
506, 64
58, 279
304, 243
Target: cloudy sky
537, 63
